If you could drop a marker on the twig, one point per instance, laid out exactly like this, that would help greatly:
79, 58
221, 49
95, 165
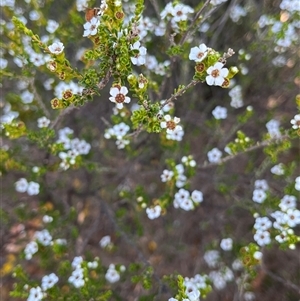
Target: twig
180, 92
189, 30
61, 115
81, 244
156, 8
220, 24
285, 282
37, 97
104, 80
250, 149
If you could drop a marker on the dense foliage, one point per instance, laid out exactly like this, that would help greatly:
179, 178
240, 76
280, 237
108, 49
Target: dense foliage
150, 150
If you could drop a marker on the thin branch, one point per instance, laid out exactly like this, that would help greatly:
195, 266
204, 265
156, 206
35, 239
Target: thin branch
81, 243
37, 97
58, 119
285, 282
104, 80
180, 92
220, 25
156, 8
190, 29
250, 149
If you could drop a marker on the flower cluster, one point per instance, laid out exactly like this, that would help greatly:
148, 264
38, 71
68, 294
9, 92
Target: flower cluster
176, 13
260, 191
112, 274
174, 131
43, 122
119, 132
153, 212
32, 188
273, 127
105, 242
73, 148
186, 201
193, 287
78, 273
236, 97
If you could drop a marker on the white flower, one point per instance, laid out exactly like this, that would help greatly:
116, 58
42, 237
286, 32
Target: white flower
214, 155
166, 175
33, 188
198, 54
182, 196
236, 12
226, 244
296, 122
35, 294
180, 12
176, 135
278, 169
262, 238
153, 212
56, 48
258, 255
249, 296
30, 249
170, 124
93, 264
282, 237
43, 122
180, 181
61, 241
77, 277
3, 63
216, 74
27, 97
193, 296
292, 217
49, 281
21, 185
259, 196
217, 2
34, 15
217, 279
118, 96
211, 257
197, 196
279, 217
47, 219
262, 224
51, 26
297, 183
105, 241
220, 112
288, 201
140, 57
90, 28
261, 184
187, 204
76, 263
43, 237
237, 265
112, 275
273, 128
